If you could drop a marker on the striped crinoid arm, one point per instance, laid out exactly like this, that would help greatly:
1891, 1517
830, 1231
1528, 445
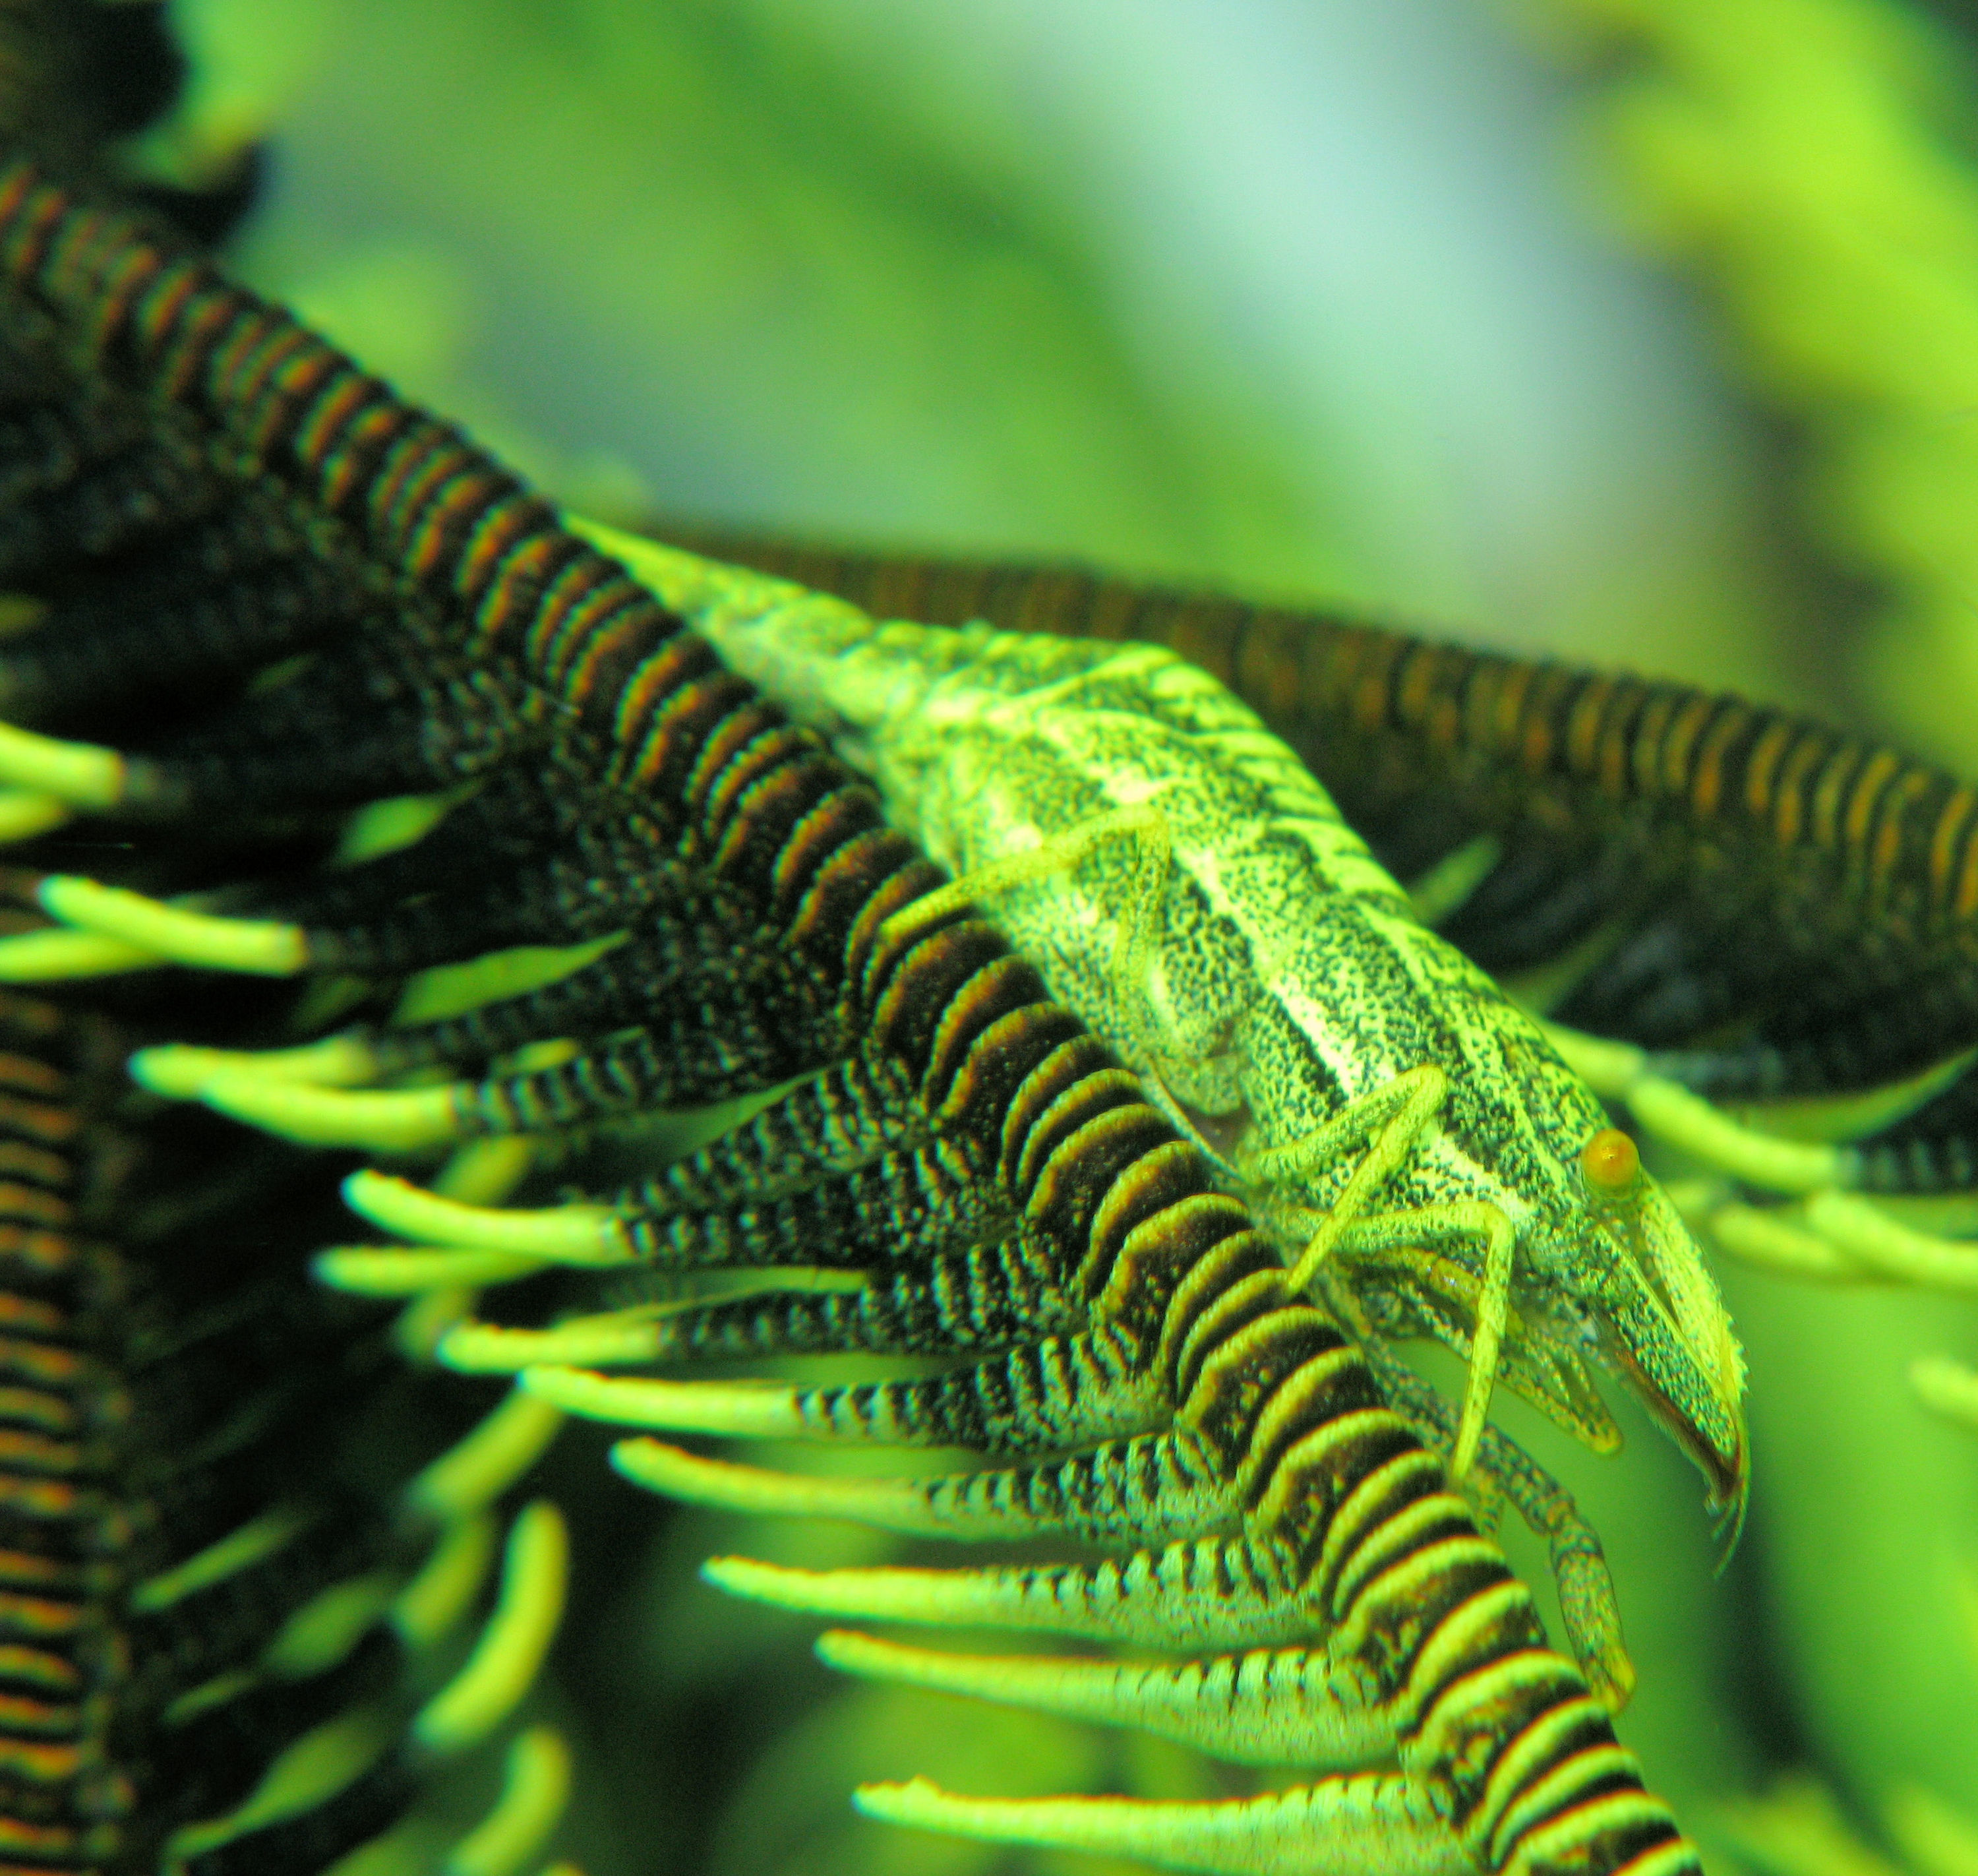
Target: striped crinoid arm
256, 1610
232, 1643
689, 900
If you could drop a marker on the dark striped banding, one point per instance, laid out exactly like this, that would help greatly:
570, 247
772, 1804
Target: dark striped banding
155, 1399
1776, 906
199, 1449
1117, 1325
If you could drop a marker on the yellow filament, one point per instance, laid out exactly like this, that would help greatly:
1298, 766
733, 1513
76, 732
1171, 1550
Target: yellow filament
82, 774
588, 1341
738, 1410
180, 1071
257, 947
56, 957
534, 1790
364, 1270
23, 813
477, 1471
535, 1575
382, 1121
573, 1234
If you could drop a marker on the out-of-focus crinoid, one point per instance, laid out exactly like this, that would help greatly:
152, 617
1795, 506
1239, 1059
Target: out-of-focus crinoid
256, 1599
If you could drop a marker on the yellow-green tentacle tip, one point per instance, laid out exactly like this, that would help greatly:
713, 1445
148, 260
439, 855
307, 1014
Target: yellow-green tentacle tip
385, 826
245, 1545
943, 1598
1609, 1068
1689, 1123
443, 1591
1140, 1607
1947, 1388
534, 1790
1761, 1237
425, 1319
475, 1471
364, 1270
1338, 1827
588, 1341
887, 1503
735, 1410
485, 1171
1445, 885
875, 1595
318, 1764
565, 1234
1875, 1240
1015, 1680
83, 774
1263, 1707
179, 1070
323, 1633
535, 1575
23, 813
257, 947
378, 1121
61, 956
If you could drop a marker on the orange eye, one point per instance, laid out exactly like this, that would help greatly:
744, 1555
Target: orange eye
1610, 1164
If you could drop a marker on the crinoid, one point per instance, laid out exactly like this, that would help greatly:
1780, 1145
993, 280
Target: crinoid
358, 711
203, 1564
669, 894
241, 1545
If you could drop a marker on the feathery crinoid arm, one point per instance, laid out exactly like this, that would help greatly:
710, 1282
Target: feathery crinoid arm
258, 1602
693, 900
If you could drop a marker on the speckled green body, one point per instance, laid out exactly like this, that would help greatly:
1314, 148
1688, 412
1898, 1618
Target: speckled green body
1287, 975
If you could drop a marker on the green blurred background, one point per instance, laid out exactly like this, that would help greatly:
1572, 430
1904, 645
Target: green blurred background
1637, 332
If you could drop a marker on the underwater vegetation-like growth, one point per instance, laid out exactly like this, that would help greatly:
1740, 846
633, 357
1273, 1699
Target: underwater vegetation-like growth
1069, 1164
743, 916
246, 1555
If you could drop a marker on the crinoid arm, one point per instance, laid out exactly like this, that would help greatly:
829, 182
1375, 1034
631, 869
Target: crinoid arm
1090, 1317
1588, 1603
1338, 1827
1275, 1707
1218, 1592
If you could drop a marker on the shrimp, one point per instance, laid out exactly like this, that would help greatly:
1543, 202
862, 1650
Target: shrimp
1423, 1151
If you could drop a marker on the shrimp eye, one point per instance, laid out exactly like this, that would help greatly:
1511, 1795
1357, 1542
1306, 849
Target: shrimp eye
1610, 1164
